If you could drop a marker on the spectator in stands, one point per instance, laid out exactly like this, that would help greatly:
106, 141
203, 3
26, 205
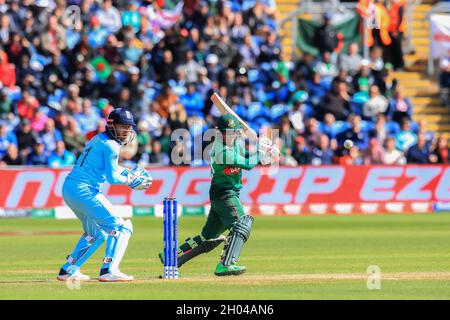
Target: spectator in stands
270, 49
248, 51
192, 101
5, 29
53, 40
12, 157
354, 133
167, 69
204, 84
326, 39
316, 88
27, 106
50, 136
387, 81
6, 139
287, 134
376, 62
111, 88
156, 157
97, 34
101, 127
60, 157
109, 17
304, 67
88, 118
54, 75
380, 132
296, 117
38, 157
336, 102
444, 81
17, 48
376, 104
239, 31
406, 137
73, 138
400, 107
29, 29
5, 103
190, 67
300, 153
374, 154
351, 60
312, 132
363, 79
326, 68
7, 72
255, 17
348, 157
420, 152
25, 137
321, 154
441, 150
345, 77
391, 154
166, 102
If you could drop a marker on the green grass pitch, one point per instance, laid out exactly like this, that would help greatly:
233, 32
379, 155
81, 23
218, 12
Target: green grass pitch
301, 257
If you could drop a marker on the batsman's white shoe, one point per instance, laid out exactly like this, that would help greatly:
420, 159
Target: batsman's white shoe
77, 275
115, 276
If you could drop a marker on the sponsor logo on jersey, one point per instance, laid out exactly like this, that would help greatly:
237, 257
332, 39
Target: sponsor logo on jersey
231, 170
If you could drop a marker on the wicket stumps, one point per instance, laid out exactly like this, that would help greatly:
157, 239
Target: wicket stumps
170, 220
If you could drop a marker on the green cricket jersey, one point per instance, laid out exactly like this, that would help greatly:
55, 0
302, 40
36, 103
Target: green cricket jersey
226, 165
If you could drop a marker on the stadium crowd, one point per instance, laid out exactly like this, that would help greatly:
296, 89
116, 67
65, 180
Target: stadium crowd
61, 74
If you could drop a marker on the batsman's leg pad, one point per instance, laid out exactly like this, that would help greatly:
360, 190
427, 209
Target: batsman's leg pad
192, 247
239, 234
116, 245
85, 247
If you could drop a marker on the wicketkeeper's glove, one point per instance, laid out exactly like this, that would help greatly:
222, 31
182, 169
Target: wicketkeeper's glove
138, 178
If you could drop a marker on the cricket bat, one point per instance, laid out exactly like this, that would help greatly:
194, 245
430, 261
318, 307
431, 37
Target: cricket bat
225, 109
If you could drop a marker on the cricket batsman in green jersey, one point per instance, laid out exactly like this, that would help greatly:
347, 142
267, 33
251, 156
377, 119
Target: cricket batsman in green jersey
228, 159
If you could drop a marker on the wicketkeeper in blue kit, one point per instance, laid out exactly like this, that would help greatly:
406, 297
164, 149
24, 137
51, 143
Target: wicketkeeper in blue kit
82, 193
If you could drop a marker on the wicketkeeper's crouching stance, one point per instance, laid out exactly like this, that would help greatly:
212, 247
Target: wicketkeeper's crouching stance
228, 157
82, 193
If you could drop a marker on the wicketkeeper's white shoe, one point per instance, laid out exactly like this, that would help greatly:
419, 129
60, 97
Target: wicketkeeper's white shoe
77, 275
115, 276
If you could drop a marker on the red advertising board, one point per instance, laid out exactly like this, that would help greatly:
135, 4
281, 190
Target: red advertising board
304, 189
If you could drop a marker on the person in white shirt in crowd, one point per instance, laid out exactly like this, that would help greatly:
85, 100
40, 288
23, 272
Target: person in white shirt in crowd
109, 17
391, 154
326, 68
376, 104
153, 121
350, 61
190, 67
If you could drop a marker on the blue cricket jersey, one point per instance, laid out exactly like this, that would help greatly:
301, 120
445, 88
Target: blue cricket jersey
99, 163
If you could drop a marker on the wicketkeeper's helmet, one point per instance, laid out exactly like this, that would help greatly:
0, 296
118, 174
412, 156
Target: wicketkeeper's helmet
121, 116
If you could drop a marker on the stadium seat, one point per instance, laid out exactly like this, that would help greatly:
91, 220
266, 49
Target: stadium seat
257, 110
358, 101
366, 126
277, 111
338, 127
392, 127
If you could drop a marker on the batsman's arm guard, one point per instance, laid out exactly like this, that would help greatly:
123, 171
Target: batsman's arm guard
239, 234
